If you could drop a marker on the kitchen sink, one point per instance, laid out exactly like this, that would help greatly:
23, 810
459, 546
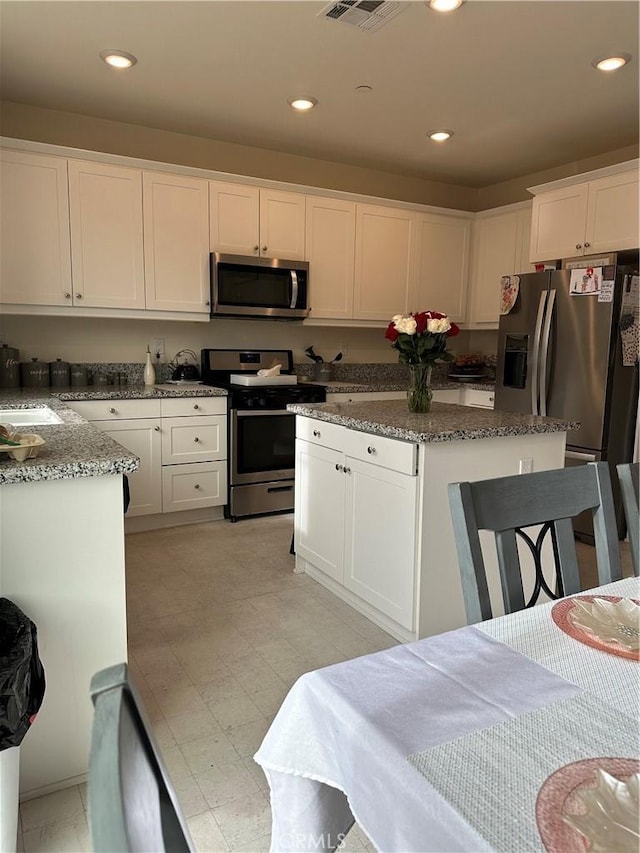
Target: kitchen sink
29, 417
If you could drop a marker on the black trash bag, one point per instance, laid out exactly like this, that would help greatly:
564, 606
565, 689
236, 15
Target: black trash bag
21, 674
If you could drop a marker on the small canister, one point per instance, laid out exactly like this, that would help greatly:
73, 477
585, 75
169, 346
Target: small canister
9, 367
101, 379
79, 374
34, 374
59, 372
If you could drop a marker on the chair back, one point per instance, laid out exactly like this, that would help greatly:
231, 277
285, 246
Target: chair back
505, 506
132, 803
628, 478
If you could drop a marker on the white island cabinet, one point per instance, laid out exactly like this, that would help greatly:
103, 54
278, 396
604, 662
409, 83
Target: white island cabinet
372, 520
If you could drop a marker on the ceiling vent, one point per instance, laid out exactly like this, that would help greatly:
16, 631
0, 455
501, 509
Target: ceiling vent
367, 15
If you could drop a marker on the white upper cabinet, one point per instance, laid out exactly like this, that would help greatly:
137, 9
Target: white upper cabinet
248, 220
443, 265
330, 251
34, 230
384, 262
586, 218
500, 240
105, 205
176, 242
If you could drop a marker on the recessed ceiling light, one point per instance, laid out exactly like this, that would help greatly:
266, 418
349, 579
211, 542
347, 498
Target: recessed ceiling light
444, 5
118, 58
302, 103
611, 63
440, 135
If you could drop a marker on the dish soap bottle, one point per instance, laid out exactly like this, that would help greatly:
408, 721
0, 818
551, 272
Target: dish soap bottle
149, 370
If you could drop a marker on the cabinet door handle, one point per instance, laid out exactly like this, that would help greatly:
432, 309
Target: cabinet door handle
196, 439
586, 245
197, 486
157, 429
196, 406
347, 470
256, 248
264, 248
339, 467
372, 451
578, 245
78, 296
112, 411
207, 302
316, 433
67, 296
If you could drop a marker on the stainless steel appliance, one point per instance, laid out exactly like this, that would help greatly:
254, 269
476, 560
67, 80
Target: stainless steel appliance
258, 287
560, 355
261, 431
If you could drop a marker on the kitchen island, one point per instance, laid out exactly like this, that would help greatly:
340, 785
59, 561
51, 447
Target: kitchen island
62, 562
372, 520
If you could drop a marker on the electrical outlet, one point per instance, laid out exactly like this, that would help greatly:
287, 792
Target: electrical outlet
157, 346
526, 466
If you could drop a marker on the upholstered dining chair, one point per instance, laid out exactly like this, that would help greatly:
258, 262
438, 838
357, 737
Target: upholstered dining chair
628, 479
505, 506
132, 804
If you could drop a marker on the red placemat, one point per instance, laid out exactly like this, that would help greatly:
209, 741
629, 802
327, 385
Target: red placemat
560, 615
558, 797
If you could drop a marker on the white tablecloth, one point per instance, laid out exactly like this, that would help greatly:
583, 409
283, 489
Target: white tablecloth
356, 739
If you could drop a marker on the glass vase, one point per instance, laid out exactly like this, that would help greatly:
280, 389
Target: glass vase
419, 394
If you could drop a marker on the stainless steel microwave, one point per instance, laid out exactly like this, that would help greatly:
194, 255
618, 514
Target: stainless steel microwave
258, 287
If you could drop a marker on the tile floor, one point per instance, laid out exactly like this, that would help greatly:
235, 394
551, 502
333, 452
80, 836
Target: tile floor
219, 629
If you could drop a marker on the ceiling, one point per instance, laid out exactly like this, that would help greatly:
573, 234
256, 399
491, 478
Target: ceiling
513, 80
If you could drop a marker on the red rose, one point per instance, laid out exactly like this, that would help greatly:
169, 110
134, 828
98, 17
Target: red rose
453, 331
421, 322
391, 333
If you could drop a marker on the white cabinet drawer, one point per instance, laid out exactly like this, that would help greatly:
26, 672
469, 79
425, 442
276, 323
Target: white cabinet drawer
196, 439
480, 399
188, 406
360, 396
111, 410
447, 395
194, 486
320, 432
386, 452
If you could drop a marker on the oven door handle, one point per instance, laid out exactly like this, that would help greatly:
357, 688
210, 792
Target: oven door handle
294, 289
261, 413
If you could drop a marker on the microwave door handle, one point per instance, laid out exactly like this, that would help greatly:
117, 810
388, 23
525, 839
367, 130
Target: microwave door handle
545, 352
535, 356
294, 288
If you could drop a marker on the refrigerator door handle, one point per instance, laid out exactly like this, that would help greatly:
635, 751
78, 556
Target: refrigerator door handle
535, 356
545, 352
580, 457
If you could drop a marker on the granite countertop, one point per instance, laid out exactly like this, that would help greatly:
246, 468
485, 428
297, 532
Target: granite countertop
445, 422
346, 387
76, 448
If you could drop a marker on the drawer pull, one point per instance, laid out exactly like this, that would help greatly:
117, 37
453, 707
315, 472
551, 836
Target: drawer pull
112, 411
197, 486
316, 433
491, 399
196, 439
272, 489
339, 467
67, 296
157, 429
196, 406
371, 451
78, 296
347, 470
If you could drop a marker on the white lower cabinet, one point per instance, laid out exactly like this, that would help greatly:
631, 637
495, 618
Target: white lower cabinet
356, 516
142, 437
181, 444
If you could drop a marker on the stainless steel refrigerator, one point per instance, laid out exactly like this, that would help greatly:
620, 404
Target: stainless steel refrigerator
560, 355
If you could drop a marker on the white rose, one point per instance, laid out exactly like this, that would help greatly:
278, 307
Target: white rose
405, 325
438, 326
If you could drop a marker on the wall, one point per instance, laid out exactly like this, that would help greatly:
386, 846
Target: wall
78, 131
98, 340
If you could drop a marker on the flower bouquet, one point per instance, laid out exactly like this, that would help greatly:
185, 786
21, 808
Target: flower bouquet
421, 341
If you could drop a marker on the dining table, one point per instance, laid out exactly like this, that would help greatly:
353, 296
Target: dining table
515, 734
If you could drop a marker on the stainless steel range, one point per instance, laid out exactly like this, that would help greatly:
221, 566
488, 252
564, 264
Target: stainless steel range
261, 431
